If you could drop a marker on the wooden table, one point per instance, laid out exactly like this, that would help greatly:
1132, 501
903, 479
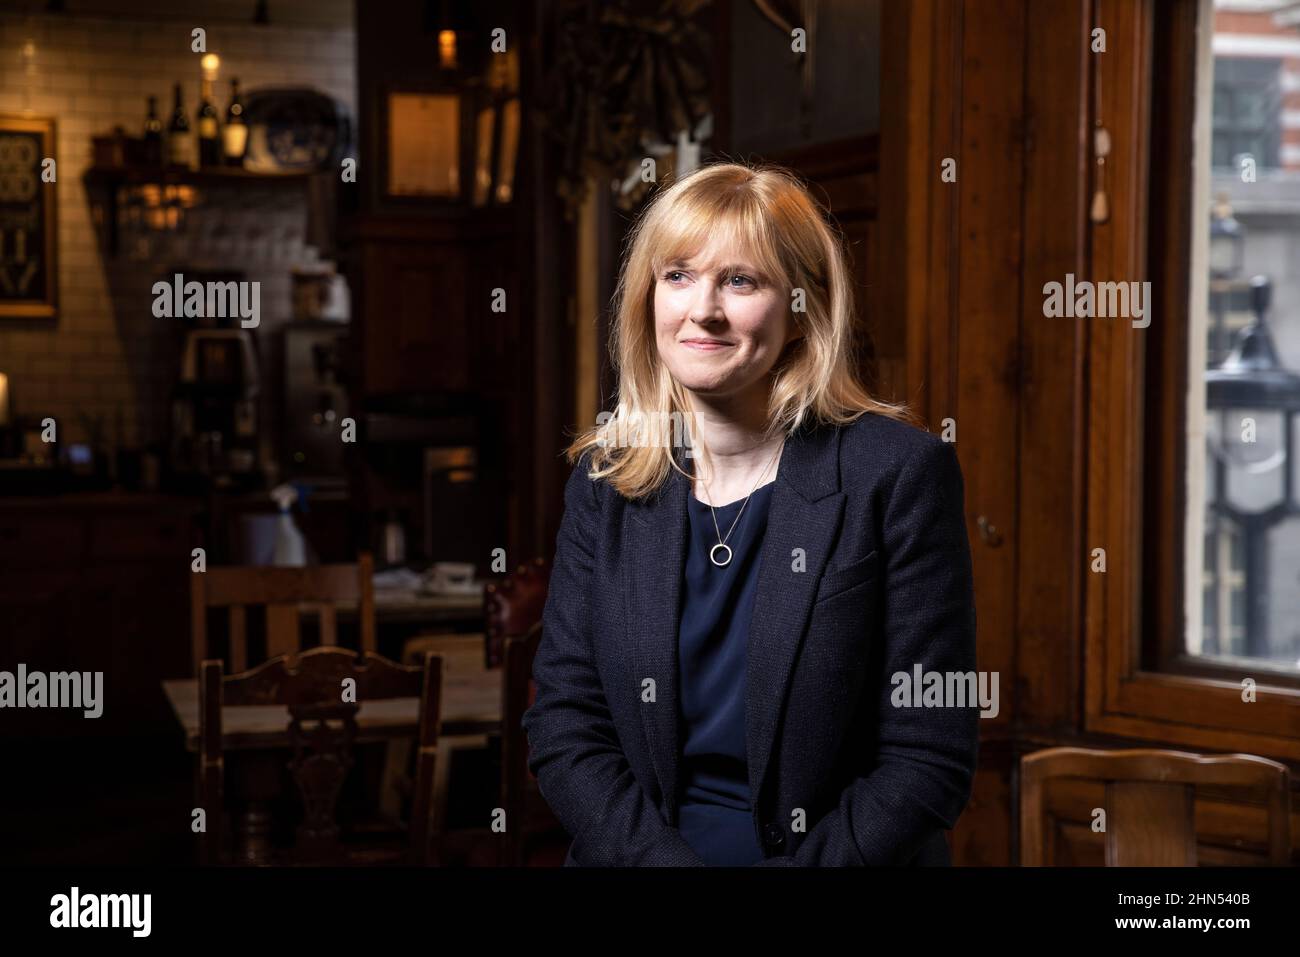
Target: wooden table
470, 706
407, 605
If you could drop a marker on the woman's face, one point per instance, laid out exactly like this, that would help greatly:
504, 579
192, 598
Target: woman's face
719, 325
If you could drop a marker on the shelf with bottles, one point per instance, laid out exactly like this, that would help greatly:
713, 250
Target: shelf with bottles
156, 177
211, 150
140, 174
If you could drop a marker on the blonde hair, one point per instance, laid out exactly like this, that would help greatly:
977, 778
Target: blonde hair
765, 212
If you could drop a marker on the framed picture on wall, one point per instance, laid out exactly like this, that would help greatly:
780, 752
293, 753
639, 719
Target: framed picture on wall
29, 275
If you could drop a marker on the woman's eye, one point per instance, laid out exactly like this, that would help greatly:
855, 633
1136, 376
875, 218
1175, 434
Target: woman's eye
668, 276
743, 279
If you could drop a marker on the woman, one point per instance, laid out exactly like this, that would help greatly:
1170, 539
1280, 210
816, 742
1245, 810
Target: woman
725, 621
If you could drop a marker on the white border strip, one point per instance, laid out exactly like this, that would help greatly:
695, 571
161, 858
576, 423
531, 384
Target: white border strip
1249, 45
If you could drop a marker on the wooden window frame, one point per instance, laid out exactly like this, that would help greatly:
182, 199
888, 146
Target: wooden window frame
1137, 400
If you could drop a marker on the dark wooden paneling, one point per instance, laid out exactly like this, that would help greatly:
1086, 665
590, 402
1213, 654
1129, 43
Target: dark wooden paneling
416, 337
985, 833
27, 544
987, 333
843, 176
1052, 552
107, 592
919, 124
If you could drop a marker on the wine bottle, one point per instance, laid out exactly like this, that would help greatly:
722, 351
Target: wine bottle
209, 141
234, 135
153, 138
180, 144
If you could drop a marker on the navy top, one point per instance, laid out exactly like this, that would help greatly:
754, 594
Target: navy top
716, 817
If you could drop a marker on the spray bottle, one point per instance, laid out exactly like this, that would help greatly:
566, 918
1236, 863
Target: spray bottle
290, 549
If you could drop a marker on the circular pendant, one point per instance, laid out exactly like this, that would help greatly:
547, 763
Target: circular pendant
726, 556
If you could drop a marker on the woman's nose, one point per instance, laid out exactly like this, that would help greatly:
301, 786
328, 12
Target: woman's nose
706, 305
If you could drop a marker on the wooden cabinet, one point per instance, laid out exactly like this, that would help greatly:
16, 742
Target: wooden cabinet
458, 309
415, 337
427, 290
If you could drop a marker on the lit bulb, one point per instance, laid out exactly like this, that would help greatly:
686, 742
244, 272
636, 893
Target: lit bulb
447, 49
209, 65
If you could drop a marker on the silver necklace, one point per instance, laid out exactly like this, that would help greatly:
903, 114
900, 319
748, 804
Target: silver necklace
720, 554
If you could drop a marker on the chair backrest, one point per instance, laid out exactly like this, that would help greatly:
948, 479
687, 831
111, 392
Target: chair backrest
513, 605
518, 691
1149, 802
281, 591
322, 729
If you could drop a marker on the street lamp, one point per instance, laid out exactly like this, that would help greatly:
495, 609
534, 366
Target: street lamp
1253, 403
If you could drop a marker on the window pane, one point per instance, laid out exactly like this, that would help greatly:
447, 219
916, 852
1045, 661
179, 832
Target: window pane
1246, 549
1283, 561
1252, 109
1248, 99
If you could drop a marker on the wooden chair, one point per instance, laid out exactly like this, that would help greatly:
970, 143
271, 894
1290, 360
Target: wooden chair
322, 730
513, 605
526, 810
281, 591
1149, 801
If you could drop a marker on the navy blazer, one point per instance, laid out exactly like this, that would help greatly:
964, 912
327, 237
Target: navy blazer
865, 571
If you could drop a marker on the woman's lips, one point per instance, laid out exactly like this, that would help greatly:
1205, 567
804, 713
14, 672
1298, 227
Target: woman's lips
705, 345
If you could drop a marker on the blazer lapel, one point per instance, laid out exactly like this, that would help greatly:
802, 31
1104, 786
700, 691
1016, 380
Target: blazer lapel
653, 561
805, 513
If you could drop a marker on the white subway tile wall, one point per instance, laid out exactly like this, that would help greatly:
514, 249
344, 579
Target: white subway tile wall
105, 354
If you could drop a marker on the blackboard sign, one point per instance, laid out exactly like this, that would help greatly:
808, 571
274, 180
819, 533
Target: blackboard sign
28, 266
